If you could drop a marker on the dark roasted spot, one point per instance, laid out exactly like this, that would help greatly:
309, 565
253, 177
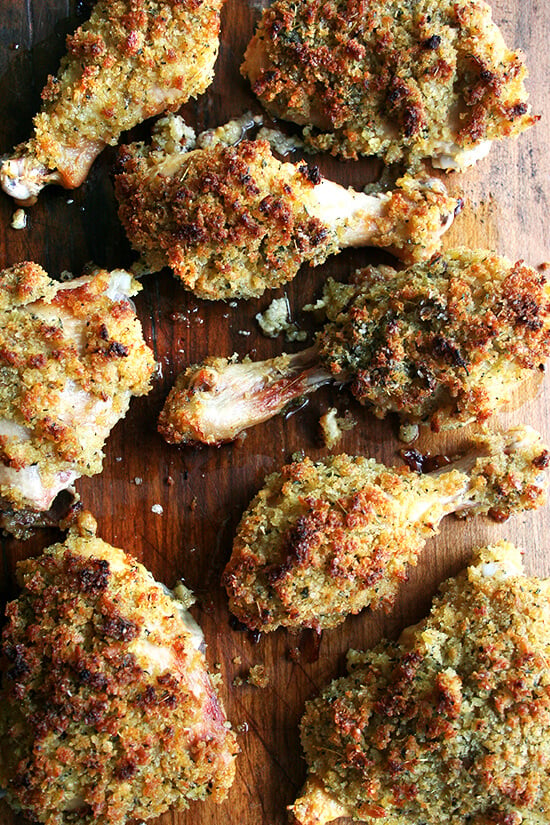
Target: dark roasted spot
120, 628
432, 42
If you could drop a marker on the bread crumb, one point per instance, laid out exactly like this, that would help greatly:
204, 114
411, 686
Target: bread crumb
408, 432
258, 677
276, 319
19, 219
157, 508
333, 427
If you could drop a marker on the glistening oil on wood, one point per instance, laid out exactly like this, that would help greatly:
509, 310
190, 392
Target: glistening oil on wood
202, 492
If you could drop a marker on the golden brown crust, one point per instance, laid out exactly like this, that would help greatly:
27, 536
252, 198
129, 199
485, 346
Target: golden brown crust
133, 59
226, 219
323, 540
389, 78
107, 710
447, 341
451, 725
70, 359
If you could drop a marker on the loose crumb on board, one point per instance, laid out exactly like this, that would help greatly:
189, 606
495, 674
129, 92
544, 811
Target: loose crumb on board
19, 219
334, 426
276, 319
157, 508
257, 677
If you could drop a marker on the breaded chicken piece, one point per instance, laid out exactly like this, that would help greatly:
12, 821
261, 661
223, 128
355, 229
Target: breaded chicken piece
232, 220
451, 724
107, 708
72, 355
326, 539
424, 78
131, 60
445, 342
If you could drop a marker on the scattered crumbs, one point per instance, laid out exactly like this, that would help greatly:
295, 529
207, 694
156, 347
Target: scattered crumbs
157, 508
237, 660
118, 458
193, 505
408, 432
237, 681
70, 201
19, 219
258, 677
233, 304
242, 728
243, 331
276, 319
192, 549
333, 426
217, 665
183, 594
138, 480
169, 481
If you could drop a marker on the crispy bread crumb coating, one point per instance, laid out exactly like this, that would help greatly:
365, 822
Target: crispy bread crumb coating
399, 80
446, 341
223, 218
449, 725
71, 356
131, 60
322, 540
107, 709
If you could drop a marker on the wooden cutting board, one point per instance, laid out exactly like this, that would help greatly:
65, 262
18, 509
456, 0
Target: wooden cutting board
203, 492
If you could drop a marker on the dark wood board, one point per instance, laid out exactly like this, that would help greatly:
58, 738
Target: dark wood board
204, 491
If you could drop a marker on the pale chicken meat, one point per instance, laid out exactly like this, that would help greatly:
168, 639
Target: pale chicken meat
131, 60
450, 724
442, 343
72, 355
232, 220
404, 81
322, 540
108, 711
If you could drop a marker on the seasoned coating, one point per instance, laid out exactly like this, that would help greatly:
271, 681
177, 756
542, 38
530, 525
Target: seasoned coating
72, 355
107, 709
451, 724
326, 539
131, 60
446, 342
424, 78
232, 220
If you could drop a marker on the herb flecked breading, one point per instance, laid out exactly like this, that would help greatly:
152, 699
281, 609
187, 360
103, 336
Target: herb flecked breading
447, 341
451, 724
107, 709
71, 358
400, 80
322, 540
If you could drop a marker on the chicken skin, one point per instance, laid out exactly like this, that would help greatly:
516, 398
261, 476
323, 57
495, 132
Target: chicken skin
133, 59
108, 712
402, 81
233, 221
72, 355
445, 342
449, 725
323, 540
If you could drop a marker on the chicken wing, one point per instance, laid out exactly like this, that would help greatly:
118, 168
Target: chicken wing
133, 59
107, 708
323, 540
447, 342
402, 81
232, 221
72, 355
449, 725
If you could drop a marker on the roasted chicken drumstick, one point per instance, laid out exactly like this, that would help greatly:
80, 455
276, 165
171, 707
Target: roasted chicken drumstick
323, 540
432, 78
445, 342
133, 59
72, 355
450, 724
233, 221
107, 711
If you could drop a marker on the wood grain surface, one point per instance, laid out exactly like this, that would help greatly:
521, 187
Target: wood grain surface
204, 491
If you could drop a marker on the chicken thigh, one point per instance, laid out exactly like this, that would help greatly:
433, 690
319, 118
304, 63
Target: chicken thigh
107, 711
428, 78
449, 725
133, 59
323, 540
72, 355
445, 342
233, 221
